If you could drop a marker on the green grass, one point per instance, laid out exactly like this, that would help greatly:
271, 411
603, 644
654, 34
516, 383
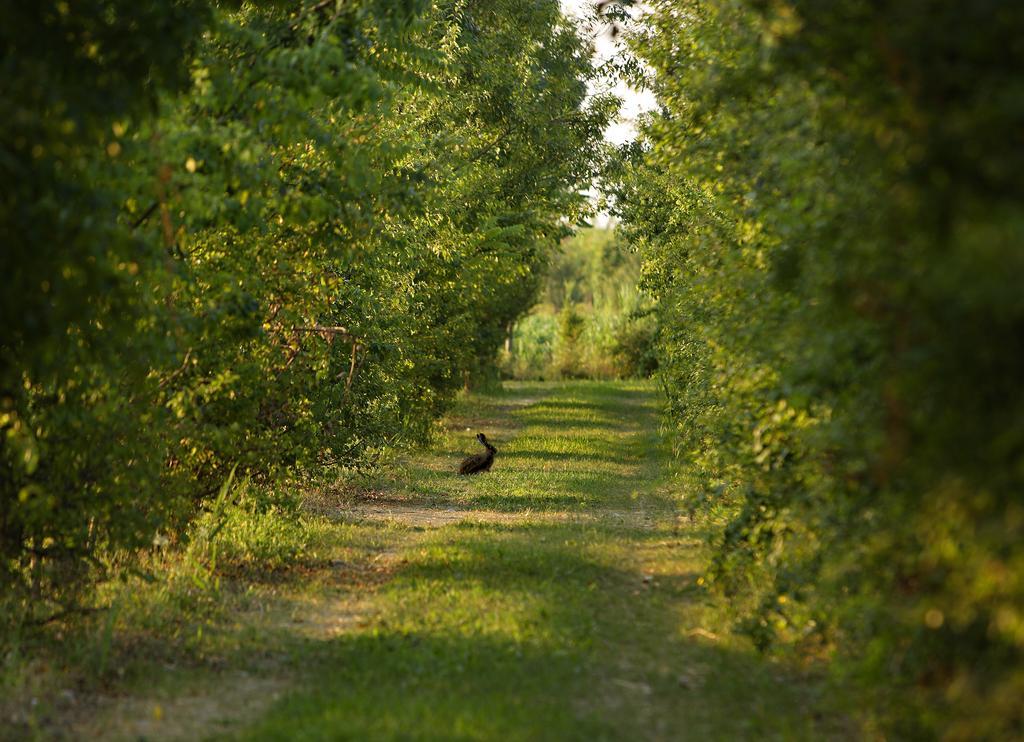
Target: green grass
556, 597
565, 604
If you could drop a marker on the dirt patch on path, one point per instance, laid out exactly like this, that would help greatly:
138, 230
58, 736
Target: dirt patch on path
434, 517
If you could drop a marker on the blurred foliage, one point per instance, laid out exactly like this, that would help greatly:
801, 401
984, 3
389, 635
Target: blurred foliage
275, 237
591, 320
828, 206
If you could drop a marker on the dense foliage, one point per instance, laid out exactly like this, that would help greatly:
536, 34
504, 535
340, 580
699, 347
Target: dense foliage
271, 236
828, 203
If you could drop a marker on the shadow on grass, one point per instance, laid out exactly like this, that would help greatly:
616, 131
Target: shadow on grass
561, 424
516, 632
605, 454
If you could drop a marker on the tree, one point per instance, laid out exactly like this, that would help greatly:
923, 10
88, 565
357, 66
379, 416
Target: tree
267, 238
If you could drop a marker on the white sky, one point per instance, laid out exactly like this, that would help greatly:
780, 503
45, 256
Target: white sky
634, 102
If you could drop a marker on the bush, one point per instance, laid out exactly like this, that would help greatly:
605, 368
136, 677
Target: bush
567, 360
635, 351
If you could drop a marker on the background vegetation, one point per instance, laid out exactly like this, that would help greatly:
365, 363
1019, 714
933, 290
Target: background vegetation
828, 208
591, 319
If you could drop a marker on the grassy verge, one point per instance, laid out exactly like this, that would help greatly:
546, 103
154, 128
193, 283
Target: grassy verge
556, 597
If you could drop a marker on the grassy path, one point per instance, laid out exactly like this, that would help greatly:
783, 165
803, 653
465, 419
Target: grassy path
553, 598
556, 597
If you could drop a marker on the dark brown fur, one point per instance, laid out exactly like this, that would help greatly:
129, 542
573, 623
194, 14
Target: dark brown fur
480, 461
